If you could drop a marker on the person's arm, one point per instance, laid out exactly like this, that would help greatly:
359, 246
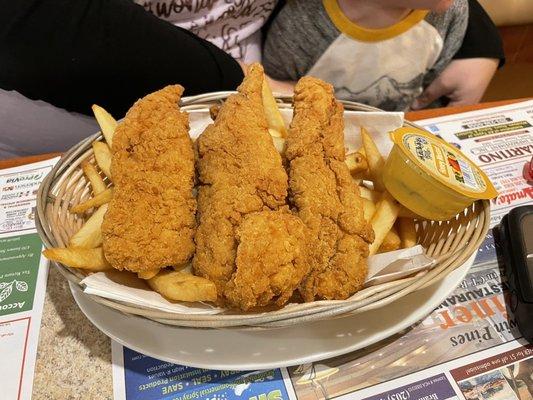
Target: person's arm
74, 53
468, 75
461, 83
482, 39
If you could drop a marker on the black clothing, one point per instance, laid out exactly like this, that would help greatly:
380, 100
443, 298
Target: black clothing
482, 39
74, 53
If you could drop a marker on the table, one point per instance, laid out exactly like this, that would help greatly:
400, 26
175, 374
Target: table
74, 358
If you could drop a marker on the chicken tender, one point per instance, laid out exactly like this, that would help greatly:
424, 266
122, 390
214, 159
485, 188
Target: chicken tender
325, 195
271, 259
240, 173
150, 222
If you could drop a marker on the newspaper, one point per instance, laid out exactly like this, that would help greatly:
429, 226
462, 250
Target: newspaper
23, 273
500, 141
468, 347
469, 327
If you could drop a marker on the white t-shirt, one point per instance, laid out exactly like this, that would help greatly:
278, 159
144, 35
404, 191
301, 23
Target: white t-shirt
386, 68
232, 25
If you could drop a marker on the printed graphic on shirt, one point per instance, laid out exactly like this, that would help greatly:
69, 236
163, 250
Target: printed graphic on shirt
234, 26
385, 93
374, 73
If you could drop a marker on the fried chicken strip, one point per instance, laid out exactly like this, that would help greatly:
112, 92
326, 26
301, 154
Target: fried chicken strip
243, 185
325, 195
150, 222
271, 259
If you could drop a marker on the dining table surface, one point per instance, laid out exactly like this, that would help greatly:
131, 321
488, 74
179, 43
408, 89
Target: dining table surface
74, 357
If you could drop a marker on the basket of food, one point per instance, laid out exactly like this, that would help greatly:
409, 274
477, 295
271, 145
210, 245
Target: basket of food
212, 214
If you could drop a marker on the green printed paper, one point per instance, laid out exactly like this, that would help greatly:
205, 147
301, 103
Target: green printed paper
492, 130
19, 267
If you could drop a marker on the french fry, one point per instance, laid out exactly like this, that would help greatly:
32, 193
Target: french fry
181, 286
375, 160
391, 241
357, 180
90, 234
107, 123
406, 213
97, 183
187, 267
356, 162
368, 194
103, 157
279, 143
407, 230
96, 201
276, 125
87, 259
369, 208
149, 274
213, 111
383, 220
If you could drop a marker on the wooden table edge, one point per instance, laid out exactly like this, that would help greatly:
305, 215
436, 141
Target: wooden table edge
440, 112
15, 162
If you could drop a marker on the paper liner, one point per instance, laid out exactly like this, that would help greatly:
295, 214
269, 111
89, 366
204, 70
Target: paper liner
382, 268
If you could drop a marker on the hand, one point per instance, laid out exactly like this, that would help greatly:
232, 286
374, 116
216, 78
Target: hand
463, 81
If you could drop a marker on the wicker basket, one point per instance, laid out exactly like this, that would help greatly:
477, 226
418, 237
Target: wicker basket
451, 243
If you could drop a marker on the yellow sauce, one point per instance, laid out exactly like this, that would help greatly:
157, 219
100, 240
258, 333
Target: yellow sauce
431, 177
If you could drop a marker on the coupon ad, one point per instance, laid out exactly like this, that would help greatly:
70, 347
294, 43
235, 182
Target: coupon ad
137, 376
23, 273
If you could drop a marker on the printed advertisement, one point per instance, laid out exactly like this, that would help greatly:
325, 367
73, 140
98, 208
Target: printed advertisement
434, 388
508, 375
18, 190
473, 318
147, 378
438, 357
23, 274
19, 262
500, 141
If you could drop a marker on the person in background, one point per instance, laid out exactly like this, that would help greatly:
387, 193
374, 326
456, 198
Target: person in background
380, 52
58, 57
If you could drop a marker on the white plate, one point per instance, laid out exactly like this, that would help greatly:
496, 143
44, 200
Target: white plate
234, 349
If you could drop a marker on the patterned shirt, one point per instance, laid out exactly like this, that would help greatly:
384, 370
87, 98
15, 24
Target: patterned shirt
233, 25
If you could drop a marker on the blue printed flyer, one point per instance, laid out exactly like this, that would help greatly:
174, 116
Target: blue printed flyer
146, 378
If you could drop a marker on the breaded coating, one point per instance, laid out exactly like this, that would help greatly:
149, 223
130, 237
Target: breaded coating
271, 259
150, 222
325, 195
240, 172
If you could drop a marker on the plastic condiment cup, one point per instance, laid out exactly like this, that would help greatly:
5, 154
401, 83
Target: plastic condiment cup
431, 177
